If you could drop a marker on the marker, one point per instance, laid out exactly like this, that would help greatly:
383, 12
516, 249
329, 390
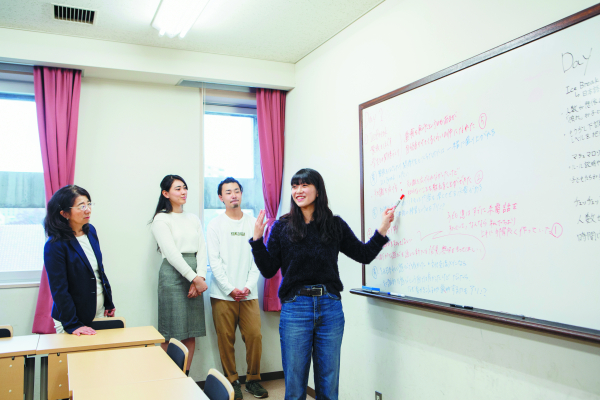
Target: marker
396, 294
459, 306
401, 197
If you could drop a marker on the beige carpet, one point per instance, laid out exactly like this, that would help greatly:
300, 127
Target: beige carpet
276, 390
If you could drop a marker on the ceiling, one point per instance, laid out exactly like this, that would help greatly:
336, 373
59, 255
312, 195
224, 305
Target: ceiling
275, 30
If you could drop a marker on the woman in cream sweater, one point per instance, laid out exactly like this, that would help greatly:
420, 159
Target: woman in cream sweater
181, 279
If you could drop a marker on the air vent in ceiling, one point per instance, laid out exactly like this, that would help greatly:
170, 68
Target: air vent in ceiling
66, 13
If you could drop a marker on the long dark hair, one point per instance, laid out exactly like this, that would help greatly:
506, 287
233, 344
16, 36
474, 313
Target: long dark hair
164, 204
56, 226
327, 225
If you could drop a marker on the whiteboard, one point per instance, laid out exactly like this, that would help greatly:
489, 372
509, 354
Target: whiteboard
500, 166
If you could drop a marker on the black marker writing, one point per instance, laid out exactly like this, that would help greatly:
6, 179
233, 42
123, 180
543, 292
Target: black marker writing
569, 62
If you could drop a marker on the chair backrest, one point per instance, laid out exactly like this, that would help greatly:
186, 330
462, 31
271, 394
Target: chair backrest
178, 353
99, 324
6, 331
217, 387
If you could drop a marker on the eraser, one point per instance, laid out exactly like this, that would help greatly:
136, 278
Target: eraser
370, 289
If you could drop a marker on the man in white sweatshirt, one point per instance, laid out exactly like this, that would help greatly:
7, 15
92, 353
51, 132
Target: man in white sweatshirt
233, 290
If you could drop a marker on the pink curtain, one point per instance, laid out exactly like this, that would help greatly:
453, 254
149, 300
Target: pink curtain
270, 109
57, 101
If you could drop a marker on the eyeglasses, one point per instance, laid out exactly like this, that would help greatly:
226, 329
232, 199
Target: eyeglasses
84, 207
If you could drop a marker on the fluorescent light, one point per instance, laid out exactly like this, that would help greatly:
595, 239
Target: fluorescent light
176, 17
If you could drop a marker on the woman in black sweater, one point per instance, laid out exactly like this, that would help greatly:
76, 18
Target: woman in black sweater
305, 244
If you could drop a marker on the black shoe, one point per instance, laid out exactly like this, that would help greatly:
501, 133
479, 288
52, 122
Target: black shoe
237, 390
256, 389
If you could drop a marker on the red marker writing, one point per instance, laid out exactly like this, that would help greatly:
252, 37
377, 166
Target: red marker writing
401, 198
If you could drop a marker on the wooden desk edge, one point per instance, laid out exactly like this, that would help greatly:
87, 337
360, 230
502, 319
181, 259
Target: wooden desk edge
99, 393
147, 340
18, 353
104, 346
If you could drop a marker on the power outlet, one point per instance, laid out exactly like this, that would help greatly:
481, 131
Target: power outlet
378, 396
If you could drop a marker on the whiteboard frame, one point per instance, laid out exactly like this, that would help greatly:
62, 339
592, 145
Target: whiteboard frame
555, 328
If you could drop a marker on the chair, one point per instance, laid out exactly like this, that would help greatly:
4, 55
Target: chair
6, 331
99, 324
178, 353
217, 387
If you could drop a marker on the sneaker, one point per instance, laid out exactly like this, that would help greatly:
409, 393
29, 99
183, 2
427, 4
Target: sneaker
237, 390
255, 389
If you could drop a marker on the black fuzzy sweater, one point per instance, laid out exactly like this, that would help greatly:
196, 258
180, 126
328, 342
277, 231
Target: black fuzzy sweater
310, 262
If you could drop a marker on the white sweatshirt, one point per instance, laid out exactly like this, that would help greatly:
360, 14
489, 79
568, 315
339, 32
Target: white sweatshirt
230, 256
178, 233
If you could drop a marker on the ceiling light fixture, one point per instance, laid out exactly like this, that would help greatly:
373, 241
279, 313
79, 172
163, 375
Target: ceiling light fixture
176, 17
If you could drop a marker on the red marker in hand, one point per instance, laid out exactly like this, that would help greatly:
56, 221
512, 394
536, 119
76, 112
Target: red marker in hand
401, 198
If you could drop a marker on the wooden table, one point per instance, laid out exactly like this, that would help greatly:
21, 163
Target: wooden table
54, 383
16, 369
113, 368
182, 388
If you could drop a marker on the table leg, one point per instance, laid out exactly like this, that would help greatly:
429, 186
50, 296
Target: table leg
29, 377
44, 378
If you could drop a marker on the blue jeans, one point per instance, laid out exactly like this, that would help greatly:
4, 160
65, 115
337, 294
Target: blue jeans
311, 325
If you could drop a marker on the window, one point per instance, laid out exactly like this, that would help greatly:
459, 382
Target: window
22, 197
231, 149
221, 131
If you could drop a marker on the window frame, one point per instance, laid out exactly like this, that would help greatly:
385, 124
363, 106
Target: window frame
209, 196
15, 279
234, 111
17, 96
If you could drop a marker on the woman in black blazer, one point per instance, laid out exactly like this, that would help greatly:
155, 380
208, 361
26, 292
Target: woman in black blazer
73, 261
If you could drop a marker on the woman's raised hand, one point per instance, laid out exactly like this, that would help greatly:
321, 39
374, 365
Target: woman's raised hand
84, 330
386, 220
259, 226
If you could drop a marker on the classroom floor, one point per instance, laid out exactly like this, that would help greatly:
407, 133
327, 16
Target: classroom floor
276, 390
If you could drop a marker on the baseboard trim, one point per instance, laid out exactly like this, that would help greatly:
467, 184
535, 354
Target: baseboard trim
311, 392
268, 376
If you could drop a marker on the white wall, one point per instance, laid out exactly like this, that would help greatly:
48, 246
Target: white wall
131, 62
407, 353
17, 308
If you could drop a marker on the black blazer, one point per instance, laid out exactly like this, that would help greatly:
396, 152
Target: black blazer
73, 282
